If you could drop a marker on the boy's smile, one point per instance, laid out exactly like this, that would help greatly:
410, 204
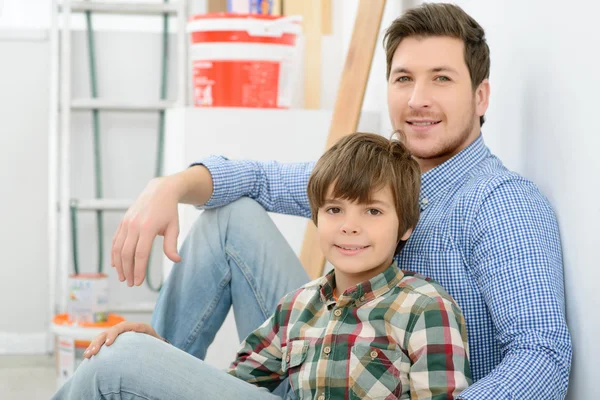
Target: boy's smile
358, 239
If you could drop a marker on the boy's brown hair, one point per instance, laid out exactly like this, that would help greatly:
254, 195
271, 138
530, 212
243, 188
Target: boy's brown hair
442, 19
361, 163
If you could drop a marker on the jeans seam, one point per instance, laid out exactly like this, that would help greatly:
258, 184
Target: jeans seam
126, 392
209, 311
245, 270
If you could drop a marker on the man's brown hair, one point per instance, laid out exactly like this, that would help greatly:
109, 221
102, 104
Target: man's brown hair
442, 19
361, 163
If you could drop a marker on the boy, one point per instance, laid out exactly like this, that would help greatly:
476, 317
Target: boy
366, 330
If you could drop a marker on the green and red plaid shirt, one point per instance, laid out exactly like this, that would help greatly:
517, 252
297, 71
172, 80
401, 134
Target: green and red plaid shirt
398, 335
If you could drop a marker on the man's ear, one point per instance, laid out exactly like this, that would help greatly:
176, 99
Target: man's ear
407, 234
482, 97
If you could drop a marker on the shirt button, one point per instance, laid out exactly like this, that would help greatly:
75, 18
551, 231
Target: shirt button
374, 354
327, 350
425, 201
321, 397
337, 312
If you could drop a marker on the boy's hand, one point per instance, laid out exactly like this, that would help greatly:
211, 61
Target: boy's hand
108, 337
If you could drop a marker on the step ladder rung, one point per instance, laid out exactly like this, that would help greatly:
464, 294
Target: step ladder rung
111, 105
124, 7
101, 204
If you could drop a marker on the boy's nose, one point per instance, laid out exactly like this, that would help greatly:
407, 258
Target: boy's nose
350, 230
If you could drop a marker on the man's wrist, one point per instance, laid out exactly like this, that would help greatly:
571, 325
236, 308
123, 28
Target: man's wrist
193, 185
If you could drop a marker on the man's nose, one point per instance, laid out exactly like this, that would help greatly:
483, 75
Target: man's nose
420, 97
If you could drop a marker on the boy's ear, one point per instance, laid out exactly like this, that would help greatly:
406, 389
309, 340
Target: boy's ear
407, 234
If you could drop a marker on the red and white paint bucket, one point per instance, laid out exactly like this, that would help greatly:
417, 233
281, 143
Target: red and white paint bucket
243, 60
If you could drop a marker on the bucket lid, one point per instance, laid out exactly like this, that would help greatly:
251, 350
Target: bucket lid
63, 326
254, 24
89, 276
65, 320
222, 15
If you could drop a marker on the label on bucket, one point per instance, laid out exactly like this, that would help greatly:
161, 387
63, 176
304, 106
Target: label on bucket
240, 83
65, 359
88, 298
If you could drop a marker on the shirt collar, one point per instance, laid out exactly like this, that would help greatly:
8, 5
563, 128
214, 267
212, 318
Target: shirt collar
435, 181
363, 292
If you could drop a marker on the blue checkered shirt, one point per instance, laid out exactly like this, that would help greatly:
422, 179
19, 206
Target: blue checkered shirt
488, 236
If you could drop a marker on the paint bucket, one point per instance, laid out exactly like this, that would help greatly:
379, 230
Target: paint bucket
243, 60
88, 298
71, 341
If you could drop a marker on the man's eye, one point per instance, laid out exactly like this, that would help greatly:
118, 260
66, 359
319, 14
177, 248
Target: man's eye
403, 79
443, 79
333, 210
374, 211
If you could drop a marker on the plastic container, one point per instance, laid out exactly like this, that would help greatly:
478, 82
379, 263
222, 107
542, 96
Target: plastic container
243, 60
71, 341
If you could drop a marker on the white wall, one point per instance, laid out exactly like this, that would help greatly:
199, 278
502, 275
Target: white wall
23, 158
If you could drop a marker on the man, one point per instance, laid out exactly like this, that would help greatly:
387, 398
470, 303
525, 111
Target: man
486, 234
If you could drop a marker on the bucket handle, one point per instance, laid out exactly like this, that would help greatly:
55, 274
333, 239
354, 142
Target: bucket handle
274, 28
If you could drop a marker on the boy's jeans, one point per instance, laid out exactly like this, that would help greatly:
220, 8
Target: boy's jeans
234, 255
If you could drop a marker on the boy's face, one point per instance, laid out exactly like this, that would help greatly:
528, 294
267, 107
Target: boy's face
359, 239
431, 99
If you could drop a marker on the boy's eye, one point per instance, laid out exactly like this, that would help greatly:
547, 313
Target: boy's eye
333, 210
442, 79
403, 79
374, 211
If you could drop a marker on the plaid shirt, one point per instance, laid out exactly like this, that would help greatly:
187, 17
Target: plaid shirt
398, 335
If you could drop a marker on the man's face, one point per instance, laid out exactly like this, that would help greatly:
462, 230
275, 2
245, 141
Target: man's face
431, 99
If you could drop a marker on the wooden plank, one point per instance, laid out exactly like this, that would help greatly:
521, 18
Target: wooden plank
276, 10
310, 10
326, 17
348, 104
216, 6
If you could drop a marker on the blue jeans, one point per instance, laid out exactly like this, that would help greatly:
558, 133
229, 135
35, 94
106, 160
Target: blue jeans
233, 256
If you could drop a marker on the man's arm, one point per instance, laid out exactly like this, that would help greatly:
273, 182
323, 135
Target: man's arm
278, 187
214, 182
516, 259
437, 347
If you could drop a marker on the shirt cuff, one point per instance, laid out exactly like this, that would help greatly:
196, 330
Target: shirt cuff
231, 180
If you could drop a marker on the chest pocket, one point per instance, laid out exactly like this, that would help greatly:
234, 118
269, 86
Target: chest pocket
293, 357
374, 373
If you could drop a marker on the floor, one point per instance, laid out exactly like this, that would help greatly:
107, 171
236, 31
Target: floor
33, 377
27, 377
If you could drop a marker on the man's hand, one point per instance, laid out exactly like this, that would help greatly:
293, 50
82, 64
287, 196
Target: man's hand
108, 337
153, 214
